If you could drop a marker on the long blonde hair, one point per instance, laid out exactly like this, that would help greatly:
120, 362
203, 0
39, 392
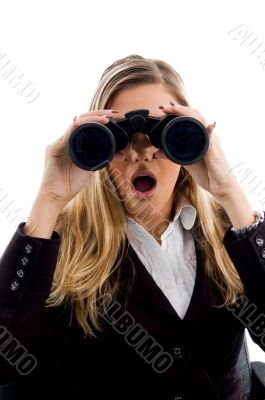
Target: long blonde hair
92, 225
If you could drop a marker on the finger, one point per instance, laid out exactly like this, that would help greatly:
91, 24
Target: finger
92, 118
211, 127
183, 111
177, 108
61, 141
98, 112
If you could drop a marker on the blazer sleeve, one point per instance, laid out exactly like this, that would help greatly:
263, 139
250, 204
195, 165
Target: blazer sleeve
248, 256
26, 272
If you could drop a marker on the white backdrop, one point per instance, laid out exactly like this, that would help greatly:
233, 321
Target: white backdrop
53, 53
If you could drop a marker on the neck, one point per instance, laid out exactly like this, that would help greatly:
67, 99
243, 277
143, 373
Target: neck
154, 223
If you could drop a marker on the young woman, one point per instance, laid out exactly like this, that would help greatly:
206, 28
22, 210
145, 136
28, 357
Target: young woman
121, 286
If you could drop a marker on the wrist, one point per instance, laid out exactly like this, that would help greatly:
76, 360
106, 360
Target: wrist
42, 218
55, 205
242, 232
238, 207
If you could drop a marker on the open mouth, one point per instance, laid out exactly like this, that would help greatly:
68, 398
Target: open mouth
144, 185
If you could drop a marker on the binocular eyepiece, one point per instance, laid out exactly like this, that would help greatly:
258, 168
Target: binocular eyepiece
184, 140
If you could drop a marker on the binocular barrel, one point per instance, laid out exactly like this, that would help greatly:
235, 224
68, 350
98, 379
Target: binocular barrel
184, 140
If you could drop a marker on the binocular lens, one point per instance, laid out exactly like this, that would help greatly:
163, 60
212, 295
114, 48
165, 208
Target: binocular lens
184, 142
183, 139
91, 146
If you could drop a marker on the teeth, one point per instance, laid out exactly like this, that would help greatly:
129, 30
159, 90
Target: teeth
143, 174
138, 176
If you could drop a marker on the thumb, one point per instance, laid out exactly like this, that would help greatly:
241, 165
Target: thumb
211, 127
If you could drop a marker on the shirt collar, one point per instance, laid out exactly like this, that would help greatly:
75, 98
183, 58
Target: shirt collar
184, 210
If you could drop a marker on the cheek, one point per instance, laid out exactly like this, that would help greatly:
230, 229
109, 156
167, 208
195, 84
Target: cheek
118, 177
169, 171
115, 168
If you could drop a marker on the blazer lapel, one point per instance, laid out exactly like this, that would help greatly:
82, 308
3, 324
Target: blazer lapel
141, 285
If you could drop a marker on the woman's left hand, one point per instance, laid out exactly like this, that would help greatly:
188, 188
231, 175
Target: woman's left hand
213, 173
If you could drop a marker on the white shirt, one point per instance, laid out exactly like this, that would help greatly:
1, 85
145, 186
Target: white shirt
173, 264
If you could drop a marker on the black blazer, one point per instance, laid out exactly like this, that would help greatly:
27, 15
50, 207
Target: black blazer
146, 350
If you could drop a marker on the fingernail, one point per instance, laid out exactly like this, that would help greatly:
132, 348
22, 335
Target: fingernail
175, 104
75, 118
114, 111
172, 103
108, 116
161, 107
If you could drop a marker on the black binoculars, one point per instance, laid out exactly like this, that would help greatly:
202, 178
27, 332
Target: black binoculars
184, 140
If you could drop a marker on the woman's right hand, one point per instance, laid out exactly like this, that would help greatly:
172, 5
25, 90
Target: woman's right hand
62, 179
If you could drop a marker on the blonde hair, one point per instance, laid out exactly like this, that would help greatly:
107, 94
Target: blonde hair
92, 225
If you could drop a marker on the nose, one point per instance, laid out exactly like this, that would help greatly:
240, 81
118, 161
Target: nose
140, 148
